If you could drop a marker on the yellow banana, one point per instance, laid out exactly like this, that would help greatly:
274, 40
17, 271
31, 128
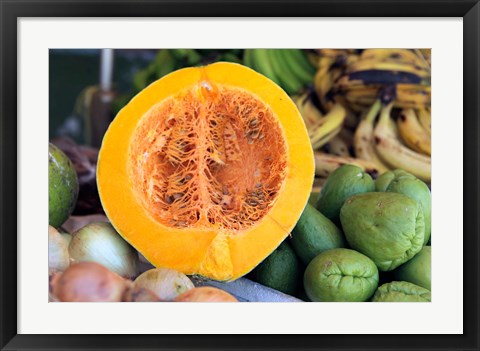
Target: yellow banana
393, 152
425, 118
323, 83
325, 164
412, 132
363, 139
311, 115
418, 96
332, 122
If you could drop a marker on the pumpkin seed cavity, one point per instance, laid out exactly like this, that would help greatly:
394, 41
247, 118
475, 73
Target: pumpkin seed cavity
208, 158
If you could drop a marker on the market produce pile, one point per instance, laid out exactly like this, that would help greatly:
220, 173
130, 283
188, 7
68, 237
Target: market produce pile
307, 171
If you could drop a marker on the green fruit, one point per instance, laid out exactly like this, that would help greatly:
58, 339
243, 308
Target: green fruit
312, 200
382, 182
340, 275
280, 271
387, 227
344, 182
417, 270
315, 233
401, 292
62, 186
399, 181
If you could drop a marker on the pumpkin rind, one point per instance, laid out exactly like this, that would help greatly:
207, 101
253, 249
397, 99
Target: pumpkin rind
214, 252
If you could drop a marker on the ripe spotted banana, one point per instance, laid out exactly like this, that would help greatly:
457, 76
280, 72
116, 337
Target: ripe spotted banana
393, 152
363, 139
328, 127
425, 118
412, 132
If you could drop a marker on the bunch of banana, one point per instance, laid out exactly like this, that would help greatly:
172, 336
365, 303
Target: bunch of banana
389, 145
368, 84
394, 152
364, 77
289, 68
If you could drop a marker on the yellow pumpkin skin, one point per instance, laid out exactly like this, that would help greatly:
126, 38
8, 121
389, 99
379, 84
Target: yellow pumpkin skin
212, 251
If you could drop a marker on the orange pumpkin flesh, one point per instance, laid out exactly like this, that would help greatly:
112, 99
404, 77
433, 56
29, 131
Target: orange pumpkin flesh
206, 170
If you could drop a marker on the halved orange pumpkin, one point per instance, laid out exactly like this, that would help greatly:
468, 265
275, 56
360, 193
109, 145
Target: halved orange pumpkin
206, 170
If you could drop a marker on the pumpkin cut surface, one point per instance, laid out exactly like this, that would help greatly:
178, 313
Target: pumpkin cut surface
207, 170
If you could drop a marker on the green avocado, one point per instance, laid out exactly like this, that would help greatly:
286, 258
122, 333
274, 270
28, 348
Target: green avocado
340, 275
62, 186
399, 181
399, 291
345, 181
418, 270
312, 200
387, 227
315, 233
281, 270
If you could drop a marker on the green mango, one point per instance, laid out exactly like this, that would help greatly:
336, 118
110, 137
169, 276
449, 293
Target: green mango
387, 227
399, 181
315, 233
345, 181
281, 270
399, 291
62, 186
418, 270
340, 275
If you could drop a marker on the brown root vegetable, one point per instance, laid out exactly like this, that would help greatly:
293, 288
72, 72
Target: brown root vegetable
205, 294
89, 282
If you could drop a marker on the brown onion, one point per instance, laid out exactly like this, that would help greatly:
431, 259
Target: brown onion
205, 294
89, 282
164, 282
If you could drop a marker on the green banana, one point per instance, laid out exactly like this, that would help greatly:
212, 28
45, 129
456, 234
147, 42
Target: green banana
262, 64
290, 58
288, 80
248, 58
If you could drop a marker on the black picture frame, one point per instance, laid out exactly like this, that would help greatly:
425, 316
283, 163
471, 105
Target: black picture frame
11, 10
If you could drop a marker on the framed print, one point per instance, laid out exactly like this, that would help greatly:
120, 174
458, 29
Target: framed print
184, 139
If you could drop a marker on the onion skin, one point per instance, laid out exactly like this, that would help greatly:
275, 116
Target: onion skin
164, 282
58, 256
138, 294
89, 282
205, 294
100, 242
